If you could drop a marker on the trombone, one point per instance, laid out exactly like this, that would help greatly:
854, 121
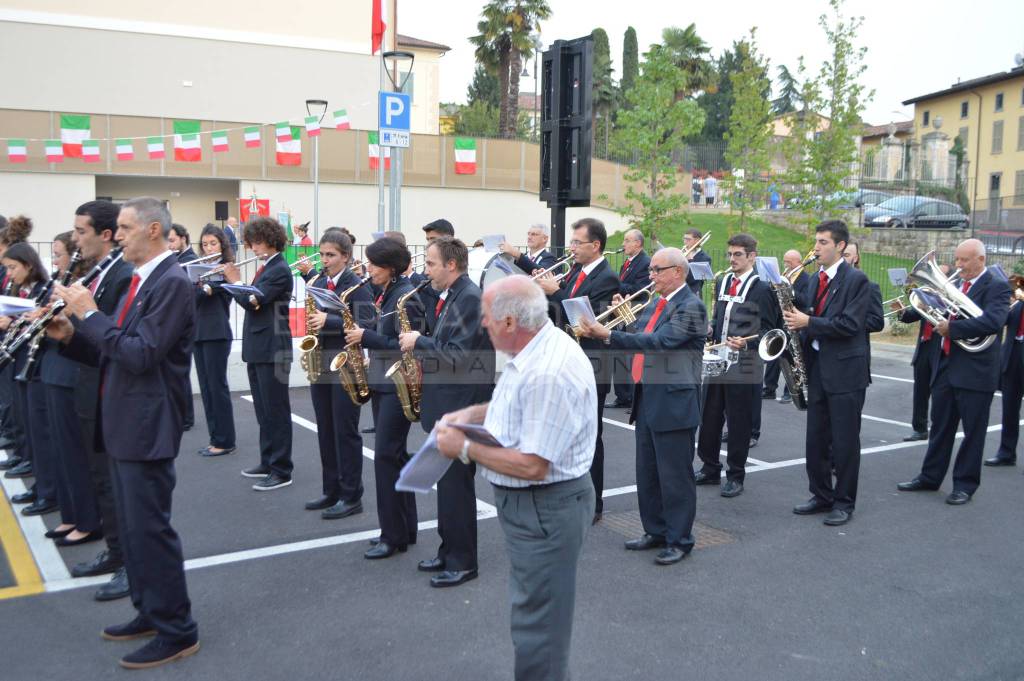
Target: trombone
790, 274
697, 246
622, 313
567, 261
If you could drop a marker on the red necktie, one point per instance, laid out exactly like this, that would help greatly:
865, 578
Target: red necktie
128, 301
734, 289
330, 284
258, 273
437, 308
380, 299
23, 293
946, 343
638, 359
926, 335
94, 285
579, 280
822, 293
625, 267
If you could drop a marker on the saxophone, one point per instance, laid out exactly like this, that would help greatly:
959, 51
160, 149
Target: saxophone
311, 359
406, 372
776, 341
349, 362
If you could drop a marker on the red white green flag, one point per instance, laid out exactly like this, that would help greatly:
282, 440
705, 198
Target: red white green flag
54, 151
371, 139
73, 131
187, 146
283, 131
155, 147
312, 125
341, 120
17, 151
220, 140
289, 152
465, 156
252, 136
125, 150
91, 151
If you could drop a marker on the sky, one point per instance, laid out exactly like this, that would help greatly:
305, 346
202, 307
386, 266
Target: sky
913, 48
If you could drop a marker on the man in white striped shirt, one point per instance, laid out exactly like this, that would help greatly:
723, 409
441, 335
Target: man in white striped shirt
544, 412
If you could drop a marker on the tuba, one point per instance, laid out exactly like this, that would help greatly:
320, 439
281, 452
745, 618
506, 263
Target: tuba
938, 299
349, 362
312, 355
406, 372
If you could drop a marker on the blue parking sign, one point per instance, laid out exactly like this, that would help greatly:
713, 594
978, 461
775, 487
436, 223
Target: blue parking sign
394, 115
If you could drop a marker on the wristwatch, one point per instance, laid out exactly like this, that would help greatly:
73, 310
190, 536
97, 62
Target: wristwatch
464, 454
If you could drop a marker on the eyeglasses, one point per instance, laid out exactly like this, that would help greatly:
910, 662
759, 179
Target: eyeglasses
659, 270
575, 243
736, 254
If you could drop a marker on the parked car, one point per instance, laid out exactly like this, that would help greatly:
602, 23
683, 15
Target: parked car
919, 212
846, 200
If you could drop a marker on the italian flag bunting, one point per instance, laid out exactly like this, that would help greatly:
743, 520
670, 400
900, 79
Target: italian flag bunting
220, 140
341, 120
186, 142
91, 151
155, 147
371, 139
73, 131
54, 151
465, 156
289, 151
17, 151
312, 125
252, 136
125, 150
283, 131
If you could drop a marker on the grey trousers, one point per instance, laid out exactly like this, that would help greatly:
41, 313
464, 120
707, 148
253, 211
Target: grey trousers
544, 529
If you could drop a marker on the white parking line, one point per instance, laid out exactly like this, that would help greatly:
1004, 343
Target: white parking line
881, 420
910, 380
44, 551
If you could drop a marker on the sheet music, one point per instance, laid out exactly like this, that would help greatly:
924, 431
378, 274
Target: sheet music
425, 468
768, 269
202, 268
701, 271
325, 298
242, 289
492, 242
577, 309
898, 276
11, 306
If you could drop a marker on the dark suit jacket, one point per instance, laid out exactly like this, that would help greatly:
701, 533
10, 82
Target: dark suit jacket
757, 314
673, 352
266, 336
212, 316
457, 357
697, 286
55, 368
975, 370
187, 256
637, 276
1010, 337
909, 316
383, 340
145, 365
600, 285
543, 261
840, 331
800, 286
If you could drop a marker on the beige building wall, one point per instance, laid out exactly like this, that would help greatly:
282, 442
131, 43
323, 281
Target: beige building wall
50, 200
191, 201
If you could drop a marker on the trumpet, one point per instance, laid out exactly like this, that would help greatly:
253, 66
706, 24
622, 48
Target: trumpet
622, 313
302, 261
697, 246
567, 261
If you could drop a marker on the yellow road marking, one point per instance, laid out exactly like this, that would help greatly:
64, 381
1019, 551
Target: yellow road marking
27, 579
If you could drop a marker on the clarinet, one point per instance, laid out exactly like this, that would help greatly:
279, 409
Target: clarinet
12, 340
31, 367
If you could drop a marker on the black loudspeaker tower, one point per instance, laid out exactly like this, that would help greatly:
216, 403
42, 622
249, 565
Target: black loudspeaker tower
220, 210
565, 129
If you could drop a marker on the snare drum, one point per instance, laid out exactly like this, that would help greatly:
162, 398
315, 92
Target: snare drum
713, 365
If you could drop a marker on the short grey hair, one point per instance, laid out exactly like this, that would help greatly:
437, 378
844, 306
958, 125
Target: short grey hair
150, 210
636, 233
520, 298
543, 227
675, 258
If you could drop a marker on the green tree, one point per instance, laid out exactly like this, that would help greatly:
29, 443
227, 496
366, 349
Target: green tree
484, 88
717, 104
630, 63
750, 129
650, 130
690, 54
493, 46
477, 119
789, 92
604, 93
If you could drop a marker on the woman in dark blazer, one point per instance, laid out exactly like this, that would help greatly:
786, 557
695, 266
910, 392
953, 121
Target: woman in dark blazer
213, 346
396, 511
337, 416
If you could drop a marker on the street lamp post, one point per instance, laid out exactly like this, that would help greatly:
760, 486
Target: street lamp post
316, 107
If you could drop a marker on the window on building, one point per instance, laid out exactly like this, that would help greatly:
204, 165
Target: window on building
1018, 188
963, 137
997, 137
408, 87
1020, 134
964, 109
994, 181
926, 118
999, 101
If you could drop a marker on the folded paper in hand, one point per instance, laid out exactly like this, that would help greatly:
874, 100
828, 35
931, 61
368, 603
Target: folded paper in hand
425, 468
577, 309
15, 305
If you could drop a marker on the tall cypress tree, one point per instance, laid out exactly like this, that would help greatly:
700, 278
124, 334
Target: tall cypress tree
630, 63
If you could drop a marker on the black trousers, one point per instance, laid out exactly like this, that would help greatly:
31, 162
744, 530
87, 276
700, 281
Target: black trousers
396, 511
922, 385
9, 426
772, 371
833, 441
755, 409
44, 458
75, 489
666, 491
19, 415
341, 445
190, 412
269, 384
152, 549
1012, 385
456, 517
731, 405
622, 378
211, 358
597, 465
87, 398
950, 406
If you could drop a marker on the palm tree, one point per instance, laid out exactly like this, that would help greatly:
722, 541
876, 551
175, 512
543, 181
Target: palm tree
524, 20
692, 56
492, 50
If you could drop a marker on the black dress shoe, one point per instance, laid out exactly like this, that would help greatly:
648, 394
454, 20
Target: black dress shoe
24, 498
1000, 461
767, 394
256, 472
383, 550
40, 507
137, 628
188, 426
6, 442
430, 565
10, 462
102, 564
369, 429
452, 578
116, 588
158, 652
209, 451
342, 509
57, 534
958, 498
702, 478
916, 435
22, 470
92, 536
272, 481
731, 489
838, 516
812, 506
669, 555
645, 543
915, 485
321, 503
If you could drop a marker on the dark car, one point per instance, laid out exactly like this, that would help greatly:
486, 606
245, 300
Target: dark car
919, 212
